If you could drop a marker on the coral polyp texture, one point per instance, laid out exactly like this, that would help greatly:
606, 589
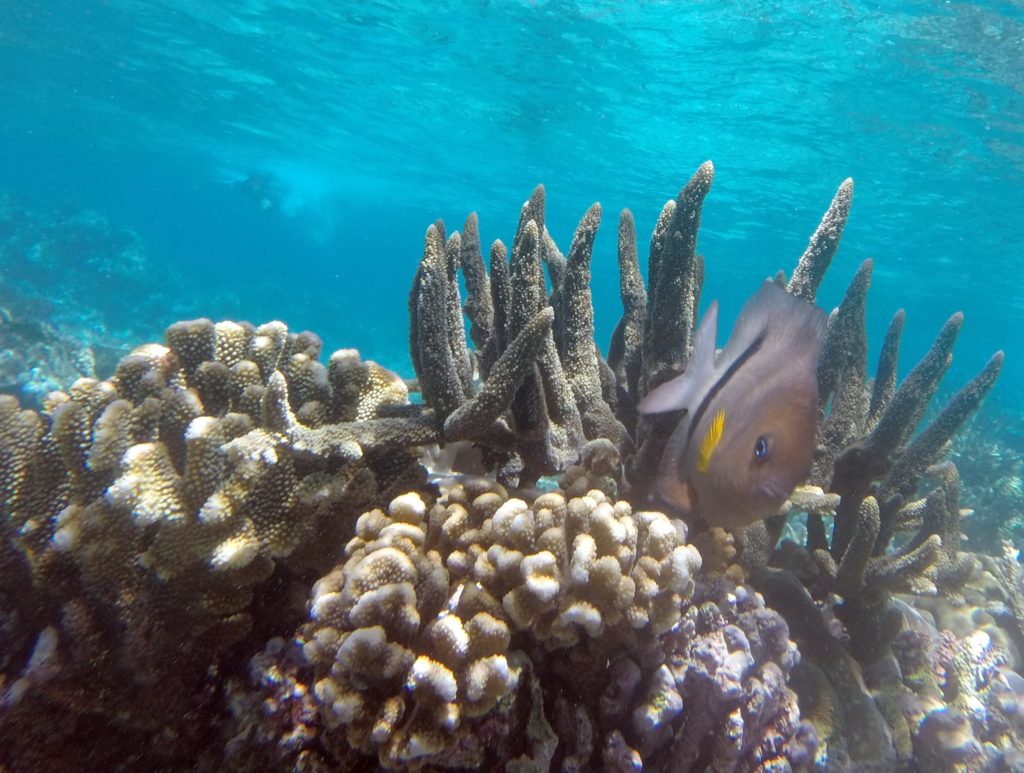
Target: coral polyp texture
148, 507
232, 555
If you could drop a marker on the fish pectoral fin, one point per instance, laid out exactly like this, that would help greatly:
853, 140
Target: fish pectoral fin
684, 389
670, 396
678, 493
710, 442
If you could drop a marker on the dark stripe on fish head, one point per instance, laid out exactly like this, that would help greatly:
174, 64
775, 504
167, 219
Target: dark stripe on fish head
700, 414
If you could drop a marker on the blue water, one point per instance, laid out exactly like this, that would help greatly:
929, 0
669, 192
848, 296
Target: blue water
365, 122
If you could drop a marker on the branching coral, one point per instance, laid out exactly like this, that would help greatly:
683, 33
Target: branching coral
871, 457
377, 634
491, 566
545, 388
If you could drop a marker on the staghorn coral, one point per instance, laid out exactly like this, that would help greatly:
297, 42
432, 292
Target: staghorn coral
545, 391
870, 457
545, 388
870, 462
675, 275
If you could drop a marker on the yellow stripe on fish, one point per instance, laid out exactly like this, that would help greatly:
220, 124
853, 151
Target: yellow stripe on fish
711, 441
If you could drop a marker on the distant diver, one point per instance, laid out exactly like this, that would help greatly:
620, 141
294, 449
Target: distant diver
261, 187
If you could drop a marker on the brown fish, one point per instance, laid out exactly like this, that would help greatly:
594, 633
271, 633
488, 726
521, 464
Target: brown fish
747, 437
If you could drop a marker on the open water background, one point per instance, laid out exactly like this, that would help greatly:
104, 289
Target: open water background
366, 121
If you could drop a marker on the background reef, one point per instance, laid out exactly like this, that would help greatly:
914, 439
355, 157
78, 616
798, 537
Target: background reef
53, 327
230, 554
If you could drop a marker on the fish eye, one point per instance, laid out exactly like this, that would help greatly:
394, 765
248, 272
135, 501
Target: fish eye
762, 446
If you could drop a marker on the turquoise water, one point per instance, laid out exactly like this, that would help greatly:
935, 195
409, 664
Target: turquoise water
362, 123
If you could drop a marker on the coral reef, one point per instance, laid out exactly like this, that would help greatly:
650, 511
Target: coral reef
884, 537
410, 634
58, 261
39, 245
37, 358
545, 388
497, 585
959, 694
989, 453
871, 460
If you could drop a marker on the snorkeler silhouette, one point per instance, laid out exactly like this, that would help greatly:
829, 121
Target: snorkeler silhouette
261, 187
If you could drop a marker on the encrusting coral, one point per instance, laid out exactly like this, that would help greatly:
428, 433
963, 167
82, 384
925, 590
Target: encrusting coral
169, 523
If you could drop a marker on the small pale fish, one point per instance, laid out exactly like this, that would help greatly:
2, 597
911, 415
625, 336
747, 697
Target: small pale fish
746, 438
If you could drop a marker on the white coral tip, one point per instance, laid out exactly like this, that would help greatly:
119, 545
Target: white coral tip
407, 507
234, 553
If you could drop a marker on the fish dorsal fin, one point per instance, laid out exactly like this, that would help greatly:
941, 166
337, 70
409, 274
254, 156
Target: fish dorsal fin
771, 308
679, 393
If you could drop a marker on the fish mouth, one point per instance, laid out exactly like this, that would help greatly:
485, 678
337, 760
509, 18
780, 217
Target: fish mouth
773, 491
